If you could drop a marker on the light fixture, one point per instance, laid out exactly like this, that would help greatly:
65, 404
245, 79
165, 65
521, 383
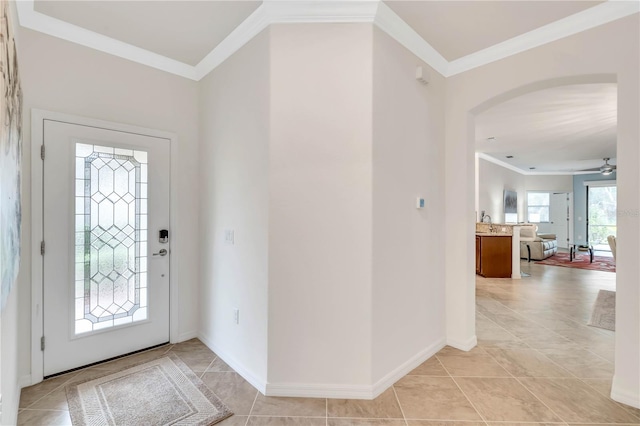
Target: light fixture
532, 168
491, 139
509, 156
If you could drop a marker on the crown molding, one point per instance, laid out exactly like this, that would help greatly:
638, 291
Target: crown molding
389, 22
589, 18
46, 24
329, 11
513, 168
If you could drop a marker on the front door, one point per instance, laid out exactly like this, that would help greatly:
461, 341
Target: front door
106, 258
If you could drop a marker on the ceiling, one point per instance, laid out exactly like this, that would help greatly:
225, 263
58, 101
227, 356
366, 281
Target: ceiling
460, 28
191, 38
563, 129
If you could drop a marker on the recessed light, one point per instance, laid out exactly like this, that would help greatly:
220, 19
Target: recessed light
532, 168
491, 139
509, 156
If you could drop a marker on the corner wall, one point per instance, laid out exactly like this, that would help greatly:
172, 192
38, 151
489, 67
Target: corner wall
493, 180
234, 175
408, 260
320, 216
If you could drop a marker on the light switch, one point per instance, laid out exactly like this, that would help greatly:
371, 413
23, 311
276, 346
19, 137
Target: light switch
229, 237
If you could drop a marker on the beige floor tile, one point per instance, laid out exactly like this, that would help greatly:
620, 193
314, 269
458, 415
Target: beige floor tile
448, 350
293, 407
31, 394
433, 398
580, 363
286, 421
385, 406
436, 423
431, 367
135, 359
197, 361
603, 386
480, 365
576, 402
365, 422
56, 400
219, 365
505, 400
43, 418
193, 345
233, 390
234, 420
523, 424
527, 363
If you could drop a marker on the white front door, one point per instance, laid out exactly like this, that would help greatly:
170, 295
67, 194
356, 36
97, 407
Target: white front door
105, 268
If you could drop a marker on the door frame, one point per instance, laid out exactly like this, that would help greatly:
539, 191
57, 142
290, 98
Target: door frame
37, 219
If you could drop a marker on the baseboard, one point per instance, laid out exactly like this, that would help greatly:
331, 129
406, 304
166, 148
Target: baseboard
301, 390
624, 396
260, 385
354, 391
183, 337
463, 345
404, 369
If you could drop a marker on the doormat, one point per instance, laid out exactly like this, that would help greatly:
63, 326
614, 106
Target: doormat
160, 392
604, 311
600, 263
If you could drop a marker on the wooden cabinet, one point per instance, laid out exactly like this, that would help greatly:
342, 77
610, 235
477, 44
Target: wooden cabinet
493, 256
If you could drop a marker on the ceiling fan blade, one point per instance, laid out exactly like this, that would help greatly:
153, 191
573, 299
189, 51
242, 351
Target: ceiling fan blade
595, 169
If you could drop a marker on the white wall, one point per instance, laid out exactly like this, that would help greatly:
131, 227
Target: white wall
601, 54
493, 180
320, 215
408, 161
556, 183
65, 77
234, 175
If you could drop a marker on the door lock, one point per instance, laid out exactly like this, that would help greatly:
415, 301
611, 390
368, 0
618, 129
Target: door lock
163, 236
162, 252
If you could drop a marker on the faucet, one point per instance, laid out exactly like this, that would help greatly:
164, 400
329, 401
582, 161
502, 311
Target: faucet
484, 216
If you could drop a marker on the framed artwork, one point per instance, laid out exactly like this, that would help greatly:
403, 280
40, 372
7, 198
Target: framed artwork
10, 157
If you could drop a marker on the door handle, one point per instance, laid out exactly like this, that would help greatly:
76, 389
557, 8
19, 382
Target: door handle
162, 252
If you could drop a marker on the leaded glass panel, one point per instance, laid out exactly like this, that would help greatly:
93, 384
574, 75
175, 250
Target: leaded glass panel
111, 236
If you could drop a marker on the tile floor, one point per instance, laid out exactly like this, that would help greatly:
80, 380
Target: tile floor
536, 362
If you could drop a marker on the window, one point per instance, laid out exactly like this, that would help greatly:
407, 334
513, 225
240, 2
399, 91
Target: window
538, 207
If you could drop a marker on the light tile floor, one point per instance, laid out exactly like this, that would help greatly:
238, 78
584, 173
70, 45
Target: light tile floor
537, 362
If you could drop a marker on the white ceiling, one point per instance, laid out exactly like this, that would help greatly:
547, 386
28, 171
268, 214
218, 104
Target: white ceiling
563, 129
182, 30
191, 38
460, 28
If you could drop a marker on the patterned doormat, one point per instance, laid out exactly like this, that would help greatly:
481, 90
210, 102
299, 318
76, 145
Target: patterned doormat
600, 263
160, 392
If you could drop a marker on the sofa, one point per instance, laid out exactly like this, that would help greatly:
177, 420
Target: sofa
534, 246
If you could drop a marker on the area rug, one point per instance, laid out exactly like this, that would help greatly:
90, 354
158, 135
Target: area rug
160, 392
600, 263
604, 311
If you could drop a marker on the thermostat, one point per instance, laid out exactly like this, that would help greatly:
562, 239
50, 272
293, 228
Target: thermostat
420, 203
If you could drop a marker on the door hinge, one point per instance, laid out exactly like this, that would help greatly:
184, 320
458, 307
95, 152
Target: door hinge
42, 248
42, 343
42, 151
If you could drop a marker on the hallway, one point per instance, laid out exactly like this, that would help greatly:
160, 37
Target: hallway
536, 362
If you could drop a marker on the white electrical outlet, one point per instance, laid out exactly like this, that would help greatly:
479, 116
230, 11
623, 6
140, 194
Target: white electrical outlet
236, 315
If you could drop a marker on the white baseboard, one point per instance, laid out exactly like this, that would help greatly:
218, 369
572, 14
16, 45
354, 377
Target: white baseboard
404, 369
463, 345
260, 385
624, 396
183, 337
369, 392
314, 390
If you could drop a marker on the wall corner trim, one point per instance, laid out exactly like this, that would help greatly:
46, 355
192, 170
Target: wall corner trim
463, 345
368, 392
624, 396
239, 368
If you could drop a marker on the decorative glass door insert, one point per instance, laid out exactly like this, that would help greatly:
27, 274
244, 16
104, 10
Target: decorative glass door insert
111, 237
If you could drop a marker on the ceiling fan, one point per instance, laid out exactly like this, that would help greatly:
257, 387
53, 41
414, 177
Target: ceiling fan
606, 169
